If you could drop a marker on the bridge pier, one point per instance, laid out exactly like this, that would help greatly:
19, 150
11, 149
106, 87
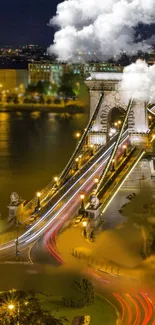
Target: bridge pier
108, 83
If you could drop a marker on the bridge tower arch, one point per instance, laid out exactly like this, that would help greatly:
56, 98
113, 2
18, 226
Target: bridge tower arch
108, 83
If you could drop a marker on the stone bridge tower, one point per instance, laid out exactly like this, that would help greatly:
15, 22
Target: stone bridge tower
108, 83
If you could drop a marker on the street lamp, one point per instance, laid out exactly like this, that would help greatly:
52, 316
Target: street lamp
56, 178
11, 307
77, 164
77, 135
84, 228
125, 150
96, 180
92, 150
113, 165
82, 208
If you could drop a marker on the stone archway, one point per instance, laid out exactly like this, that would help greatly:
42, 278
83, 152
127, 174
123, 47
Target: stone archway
106, 116
109, 85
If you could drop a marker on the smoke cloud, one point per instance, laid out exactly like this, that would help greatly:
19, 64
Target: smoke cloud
102, 29
138, 81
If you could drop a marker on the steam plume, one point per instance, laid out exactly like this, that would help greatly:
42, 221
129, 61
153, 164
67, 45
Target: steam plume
138, 81
101, 28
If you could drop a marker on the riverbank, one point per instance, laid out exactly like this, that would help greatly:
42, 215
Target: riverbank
53, 108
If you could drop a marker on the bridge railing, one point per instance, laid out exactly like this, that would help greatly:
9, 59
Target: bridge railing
43, 193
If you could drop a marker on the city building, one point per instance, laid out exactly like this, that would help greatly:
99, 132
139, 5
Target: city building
44, 71
52, 72
10, 79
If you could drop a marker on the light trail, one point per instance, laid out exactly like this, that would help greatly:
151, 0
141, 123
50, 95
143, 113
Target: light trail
123, 181
47, 213
149, 306
122, 306
27, 233
138, 318
144, 308
63, 207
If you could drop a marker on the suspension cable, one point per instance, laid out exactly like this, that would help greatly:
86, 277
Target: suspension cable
80, 143
105, 171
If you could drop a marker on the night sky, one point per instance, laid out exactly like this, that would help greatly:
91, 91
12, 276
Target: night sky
25, 21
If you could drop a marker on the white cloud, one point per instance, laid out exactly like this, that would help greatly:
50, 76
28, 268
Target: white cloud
106, 26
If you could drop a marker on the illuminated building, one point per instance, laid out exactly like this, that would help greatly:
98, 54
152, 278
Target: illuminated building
11, 78
46, 72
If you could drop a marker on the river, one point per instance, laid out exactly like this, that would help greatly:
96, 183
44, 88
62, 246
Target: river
34, 147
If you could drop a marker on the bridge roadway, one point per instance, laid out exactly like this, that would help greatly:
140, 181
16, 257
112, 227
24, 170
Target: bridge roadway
66, 199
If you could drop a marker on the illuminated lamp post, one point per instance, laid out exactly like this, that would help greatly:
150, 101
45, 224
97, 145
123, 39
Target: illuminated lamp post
76, 163
56, 180
11, 306
78, 135
82, 208
84, 228
113, 165
116, 125
125, 150
150, 118
119, 123
96, 180
91, 150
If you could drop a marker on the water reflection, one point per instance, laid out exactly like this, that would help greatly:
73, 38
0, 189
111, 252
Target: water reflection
33, 148
4, 133
35, 115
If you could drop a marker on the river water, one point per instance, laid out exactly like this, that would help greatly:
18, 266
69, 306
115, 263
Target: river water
34, 147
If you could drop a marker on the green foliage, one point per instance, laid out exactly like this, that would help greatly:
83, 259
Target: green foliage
69, 85
86, 288
42, 87
26, 310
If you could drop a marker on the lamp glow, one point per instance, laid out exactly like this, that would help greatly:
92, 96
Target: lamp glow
11, 306
84, 223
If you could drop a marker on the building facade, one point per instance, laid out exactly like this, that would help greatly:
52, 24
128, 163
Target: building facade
44, 71
10, 79
53, 72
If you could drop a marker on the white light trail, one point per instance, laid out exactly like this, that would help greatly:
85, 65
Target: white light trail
123, 182
64, 206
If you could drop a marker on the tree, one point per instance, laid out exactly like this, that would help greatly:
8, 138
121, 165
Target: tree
87, 298
31, 88
66, 91
68, 84
141, 212
24, 307
42, 87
